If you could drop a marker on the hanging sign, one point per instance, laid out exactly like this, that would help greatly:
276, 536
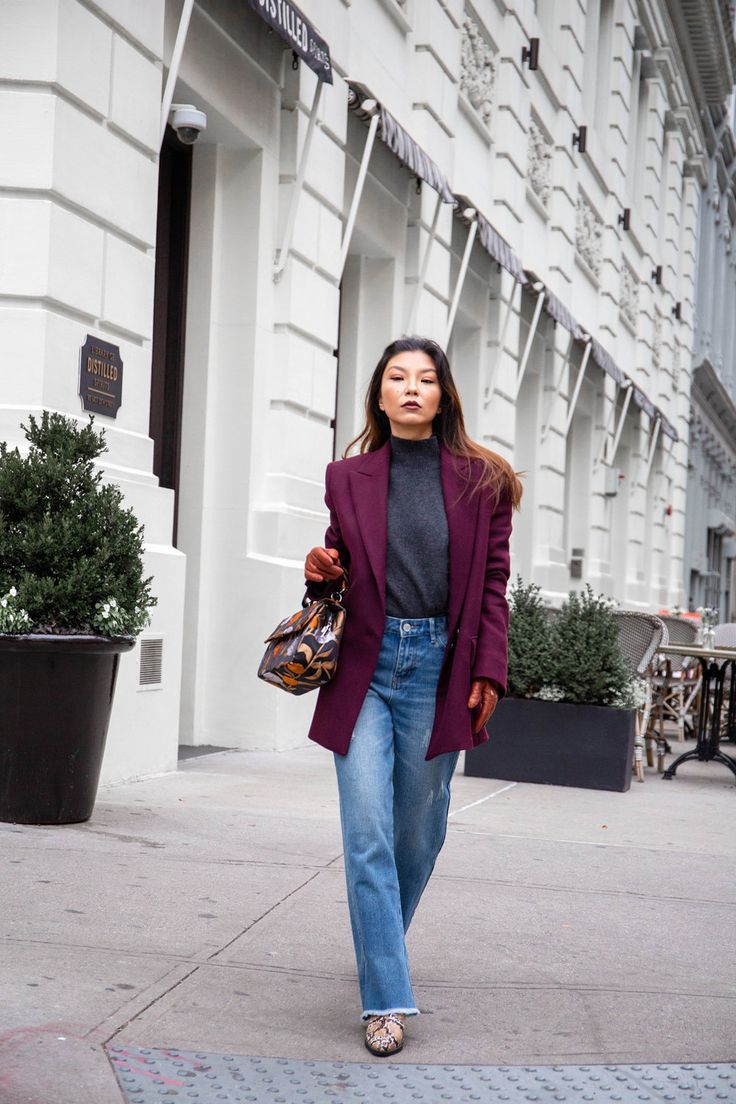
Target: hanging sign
298, 32
101, 377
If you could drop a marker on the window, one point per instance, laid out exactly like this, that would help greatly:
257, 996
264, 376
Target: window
597, 64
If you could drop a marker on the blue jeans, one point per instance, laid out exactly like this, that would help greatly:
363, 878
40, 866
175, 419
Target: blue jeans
393, 807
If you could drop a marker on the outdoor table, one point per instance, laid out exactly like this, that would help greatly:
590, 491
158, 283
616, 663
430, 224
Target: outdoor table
713, 665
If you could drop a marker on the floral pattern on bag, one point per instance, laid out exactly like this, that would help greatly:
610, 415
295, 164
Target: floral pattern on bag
303, 649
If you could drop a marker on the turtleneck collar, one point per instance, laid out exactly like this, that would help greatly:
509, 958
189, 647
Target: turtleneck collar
405, 447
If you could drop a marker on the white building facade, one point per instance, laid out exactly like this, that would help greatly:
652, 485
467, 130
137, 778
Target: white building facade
710, 534
519, 181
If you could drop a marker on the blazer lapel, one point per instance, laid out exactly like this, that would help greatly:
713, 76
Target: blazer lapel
462, 518
369, 492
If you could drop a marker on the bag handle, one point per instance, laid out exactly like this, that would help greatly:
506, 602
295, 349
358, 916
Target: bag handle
336, 595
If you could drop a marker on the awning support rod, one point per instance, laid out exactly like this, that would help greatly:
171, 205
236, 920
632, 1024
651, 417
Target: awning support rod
652, 447
367, 105
424, 267
529, 340
491, 388
283, 253
468, 213
665, 469
181, 36
607, 428
578, 384
622, 418
557, 388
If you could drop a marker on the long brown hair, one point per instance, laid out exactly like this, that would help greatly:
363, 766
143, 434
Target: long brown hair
497, 475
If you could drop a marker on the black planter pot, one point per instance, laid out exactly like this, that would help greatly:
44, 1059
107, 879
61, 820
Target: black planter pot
55, 698
590, 746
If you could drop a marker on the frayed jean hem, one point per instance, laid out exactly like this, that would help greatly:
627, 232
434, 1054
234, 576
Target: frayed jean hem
388, 1011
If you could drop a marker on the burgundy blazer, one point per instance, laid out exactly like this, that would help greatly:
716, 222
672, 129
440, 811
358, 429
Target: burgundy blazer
479, 529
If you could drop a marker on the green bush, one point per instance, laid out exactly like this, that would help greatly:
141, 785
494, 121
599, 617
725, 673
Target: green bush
571, 655
529, 641
71, 555
587, 664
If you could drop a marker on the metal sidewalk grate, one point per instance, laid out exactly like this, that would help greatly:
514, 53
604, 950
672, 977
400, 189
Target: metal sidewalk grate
149, 1076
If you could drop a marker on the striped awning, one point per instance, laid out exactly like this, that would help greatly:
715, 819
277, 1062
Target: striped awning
411, 154
401, 143
559, 312
605, 361
556, 309
667, 428
418, 162
499, 249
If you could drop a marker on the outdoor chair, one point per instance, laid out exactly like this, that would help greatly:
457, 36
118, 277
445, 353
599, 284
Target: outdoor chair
675, 685
639, 637
725, 637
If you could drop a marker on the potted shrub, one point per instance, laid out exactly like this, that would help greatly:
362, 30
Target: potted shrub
568, 717
72, 598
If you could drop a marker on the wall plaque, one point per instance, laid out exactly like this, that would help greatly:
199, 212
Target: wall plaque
101, 377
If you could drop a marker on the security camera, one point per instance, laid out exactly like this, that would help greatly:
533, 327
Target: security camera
188, 122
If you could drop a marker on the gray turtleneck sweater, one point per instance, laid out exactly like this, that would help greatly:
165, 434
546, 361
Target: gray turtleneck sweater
418, 549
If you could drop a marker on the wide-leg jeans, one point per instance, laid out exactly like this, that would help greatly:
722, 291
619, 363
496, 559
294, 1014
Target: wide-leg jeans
393, 808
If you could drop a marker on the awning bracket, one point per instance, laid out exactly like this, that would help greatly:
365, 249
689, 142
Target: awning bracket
283, 252
370, 106
611, 456
181, 37
652, 448
424, 266
468, 213
578, 386
529, 340
557, 388
491, 388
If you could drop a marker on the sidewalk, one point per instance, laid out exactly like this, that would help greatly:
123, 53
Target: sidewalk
205, 911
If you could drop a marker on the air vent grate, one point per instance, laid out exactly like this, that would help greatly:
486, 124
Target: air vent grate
152, 654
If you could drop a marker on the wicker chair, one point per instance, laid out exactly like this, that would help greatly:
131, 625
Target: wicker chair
639, 637
675, 683
725, 637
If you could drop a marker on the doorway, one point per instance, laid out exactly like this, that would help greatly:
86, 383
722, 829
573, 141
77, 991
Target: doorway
169, 311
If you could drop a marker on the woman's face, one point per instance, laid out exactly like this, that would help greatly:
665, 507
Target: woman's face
410, 394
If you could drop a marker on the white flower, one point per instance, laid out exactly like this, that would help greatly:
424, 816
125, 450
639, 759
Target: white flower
113, 603
3, 602
13, 592
550, 693
105, 613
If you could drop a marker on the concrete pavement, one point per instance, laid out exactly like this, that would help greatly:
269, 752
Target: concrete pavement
205, 910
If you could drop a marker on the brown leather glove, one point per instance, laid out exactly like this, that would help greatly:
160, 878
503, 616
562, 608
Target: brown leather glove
322, 564
484, 698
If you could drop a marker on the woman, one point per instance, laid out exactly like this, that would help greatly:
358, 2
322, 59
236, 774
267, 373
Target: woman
420, 520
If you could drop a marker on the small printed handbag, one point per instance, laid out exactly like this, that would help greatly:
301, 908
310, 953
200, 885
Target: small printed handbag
303, 649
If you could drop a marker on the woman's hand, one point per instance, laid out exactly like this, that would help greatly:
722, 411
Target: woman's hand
322, 564
484, 698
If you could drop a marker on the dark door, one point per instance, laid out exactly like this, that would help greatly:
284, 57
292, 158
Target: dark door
169, 309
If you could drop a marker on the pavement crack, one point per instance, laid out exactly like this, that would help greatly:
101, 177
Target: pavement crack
586, 890
207, 961
263, 915
139, 1012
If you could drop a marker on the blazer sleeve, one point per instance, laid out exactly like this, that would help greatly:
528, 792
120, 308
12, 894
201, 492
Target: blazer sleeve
333, 539
491, 651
